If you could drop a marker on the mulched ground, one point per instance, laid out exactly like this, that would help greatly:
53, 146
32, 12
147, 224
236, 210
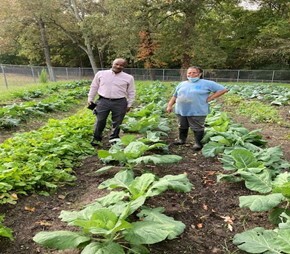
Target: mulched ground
210, 211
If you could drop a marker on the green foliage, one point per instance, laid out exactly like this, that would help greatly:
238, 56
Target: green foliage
128, 152
43, 77
146, 185
44, 158
58, 100
4, 231
106, 225
236, 37
260, 240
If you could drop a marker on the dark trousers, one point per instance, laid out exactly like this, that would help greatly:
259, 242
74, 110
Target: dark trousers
196, 123
118, 108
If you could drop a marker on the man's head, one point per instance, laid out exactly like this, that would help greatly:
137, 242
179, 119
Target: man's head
118, 65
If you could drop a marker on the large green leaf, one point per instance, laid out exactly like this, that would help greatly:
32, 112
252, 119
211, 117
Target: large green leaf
84, 214
284, 189
245, 159
135, 149
174, 227
121, 179
211, 149
101, 221
157, 159
258, 203
283, 240
140, 185
103, 248
260, 182
60, 240
281, 179
176, 182
112, 198
138, 249
146, 232
257, 240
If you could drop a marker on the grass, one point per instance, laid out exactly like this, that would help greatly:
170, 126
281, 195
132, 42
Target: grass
12, 92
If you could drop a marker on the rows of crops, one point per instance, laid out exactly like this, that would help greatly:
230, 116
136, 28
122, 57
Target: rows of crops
44, 159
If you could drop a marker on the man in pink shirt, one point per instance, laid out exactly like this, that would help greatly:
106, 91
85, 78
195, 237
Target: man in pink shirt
116, 91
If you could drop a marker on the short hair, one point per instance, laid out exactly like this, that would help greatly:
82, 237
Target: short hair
198, 68
120, 59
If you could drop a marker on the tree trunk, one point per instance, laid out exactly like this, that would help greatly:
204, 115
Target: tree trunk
91, 55
46, 49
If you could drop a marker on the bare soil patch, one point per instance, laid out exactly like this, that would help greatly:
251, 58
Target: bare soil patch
207, 210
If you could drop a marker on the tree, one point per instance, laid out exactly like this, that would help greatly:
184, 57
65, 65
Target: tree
28, 18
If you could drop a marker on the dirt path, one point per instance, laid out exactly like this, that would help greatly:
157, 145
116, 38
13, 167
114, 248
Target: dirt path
207, 210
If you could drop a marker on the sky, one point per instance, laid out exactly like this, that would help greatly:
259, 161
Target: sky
249, 6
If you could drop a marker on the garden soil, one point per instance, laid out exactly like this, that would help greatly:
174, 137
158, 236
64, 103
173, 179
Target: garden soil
210, 210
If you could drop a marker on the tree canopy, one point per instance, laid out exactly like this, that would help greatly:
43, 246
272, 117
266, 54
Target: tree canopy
148, 33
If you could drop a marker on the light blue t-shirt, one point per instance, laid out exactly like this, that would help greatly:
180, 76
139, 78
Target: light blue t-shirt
191, 97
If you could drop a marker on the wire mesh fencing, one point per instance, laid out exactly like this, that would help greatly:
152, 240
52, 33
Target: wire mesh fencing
19, 75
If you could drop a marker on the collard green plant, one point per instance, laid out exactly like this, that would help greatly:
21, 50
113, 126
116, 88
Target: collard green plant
257, 169
146, 185
260, 240
276, 202
129, 152
235, 137
106, 225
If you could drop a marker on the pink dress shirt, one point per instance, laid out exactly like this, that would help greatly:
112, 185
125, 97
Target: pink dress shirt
113, 86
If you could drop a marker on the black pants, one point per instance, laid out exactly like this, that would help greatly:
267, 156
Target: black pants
196, 123
118, 108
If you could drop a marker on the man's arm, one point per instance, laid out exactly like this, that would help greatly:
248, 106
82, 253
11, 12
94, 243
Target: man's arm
131, 93
93, 89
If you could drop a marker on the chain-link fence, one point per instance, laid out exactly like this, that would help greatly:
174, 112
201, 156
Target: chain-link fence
21, 75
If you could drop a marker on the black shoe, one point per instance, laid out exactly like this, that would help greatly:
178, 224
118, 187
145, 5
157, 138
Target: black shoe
96, 143
114, 141
179, 142
197, 147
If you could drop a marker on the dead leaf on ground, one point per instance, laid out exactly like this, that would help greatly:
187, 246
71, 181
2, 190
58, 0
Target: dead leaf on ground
43, 223
199, 225
29, 209
229, 221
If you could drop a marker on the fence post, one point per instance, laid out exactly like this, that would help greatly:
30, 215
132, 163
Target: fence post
4, 75
163, 74
273, 75
66, 70
238, 77
33, 75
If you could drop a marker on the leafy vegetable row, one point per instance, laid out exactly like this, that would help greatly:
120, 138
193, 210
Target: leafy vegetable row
263, 170
43, 158
275, 95
121, 222
13, 115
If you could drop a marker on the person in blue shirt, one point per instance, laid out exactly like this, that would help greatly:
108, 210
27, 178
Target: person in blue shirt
191, 99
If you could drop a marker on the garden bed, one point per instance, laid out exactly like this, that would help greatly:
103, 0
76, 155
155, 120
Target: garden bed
210, 211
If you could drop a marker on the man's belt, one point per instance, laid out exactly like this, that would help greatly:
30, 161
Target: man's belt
111, 99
